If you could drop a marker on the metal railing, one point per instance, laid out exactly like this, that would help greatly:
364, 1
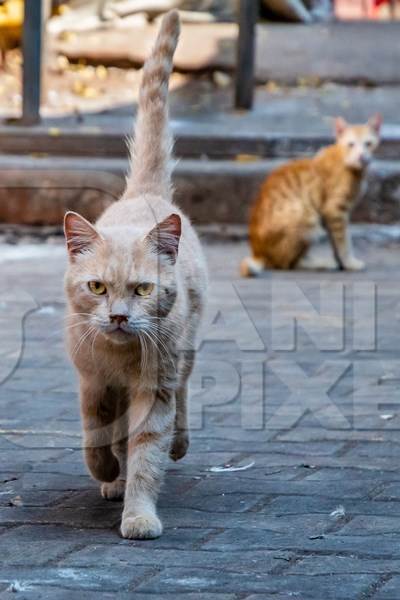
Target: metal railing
32, 58
32, 61
244, 87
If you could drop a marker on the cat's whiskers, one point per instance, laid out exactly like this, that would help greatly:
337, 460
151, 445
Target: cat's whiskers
82, 339
144, 352
79, 324
93, 342
159, 344
76, 314
67, 327
162, 330
163, 355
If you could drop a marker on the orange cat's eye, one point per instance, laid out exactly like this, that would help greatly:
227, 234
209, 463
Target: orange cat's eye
97, 288
144, 289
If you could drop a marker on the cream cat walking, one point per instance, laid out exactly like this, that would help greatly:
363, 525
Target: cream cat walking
136, 287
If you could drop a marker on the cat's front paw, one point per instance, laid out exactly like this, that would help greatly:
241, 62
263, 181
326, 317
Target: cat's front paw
114, 490
179, 446
354, 264
141, 527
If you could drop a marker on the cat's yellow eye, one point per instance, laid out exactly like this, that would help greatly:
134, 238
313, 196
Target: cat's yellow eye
97, 288
144, 289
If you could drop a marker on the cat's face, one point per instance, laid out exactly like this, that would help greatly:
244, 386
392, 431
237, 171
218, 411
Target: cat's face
359, 142
123, 283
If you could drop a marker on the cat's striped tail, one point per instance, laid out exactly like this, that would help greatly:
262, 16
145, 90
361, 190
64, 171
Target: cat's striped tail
151, 147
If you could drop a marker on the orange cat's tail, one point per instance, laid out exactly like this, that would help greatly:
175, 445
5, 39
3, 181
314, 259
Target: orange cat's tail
151, 146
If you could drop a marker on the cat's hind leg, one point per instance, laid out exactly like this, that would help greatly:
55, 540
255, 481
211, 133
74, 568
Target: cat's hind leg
312, 262
115, 490
180, 441
315, 257
98, 415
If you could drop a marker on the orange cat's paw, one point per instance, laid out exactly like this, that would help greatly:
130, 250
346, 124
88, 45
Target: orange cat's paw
354, 264
180, 445
251, 267
114, 490
141, 527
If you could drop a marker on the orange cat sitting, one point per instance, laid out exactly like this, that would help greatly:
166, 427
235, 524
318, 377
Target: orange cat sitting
303, 195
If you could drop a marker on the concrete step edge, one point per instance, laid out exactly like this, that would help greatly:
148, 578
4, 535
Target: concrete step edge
37, 190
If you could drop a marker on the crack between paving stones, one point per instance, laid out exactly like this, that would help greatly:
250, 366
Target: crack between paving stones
347, 446
370, 592
286, 564
53, 562
208, 537
373, 493
153, 571
344, 554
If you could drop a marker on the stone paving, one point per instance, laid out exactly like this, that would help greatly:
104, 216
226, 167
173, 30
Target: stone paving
311, 418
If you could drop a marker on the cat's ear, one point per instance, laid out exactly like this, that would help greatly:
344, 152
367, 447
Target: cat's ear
79, 234
340, 126
165, 237
375, 122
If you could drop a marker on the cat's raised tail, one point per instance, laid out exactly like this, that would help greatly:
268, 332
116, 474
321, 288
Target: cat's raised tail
151, 146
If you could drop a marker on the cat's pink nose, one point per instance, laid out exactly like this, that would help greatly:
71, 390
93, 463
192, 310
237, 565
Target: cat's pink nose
118, 318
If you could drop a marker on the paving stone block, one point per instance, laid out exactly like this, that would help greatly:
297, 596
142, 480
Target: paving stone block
346, 565
232, 540
313, 588
98, 578
255, 562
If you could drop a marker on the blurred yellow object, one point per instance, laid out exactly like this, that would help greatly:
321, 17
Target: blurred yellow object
54, 131
63, 9
62, 62
272, 87
246, 158
80, 88
101, 72
67, 36
11, 21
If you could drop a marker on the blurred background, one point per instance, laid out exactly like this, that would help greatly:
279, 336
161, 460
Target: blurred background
254, 83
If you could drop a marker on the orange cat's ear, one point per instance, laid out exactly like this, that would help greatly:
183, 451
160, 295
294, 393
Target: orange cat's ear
340, 126
79, 233
375, 122
165, 237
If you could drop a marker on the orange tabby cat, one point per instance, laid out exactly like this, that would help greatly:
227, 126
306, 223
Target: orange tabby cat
303, 195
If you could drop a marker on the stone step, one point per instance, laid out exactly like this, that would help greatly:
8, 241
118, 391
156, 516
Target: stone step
337, 51
38, 190
222, 136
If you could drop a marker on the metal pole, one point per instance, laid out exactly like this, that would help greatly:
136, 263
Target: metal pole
248, 13
32, 59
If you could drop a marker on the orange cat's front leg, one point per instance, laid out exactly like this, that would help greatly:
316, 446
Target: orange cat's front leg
336, 224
